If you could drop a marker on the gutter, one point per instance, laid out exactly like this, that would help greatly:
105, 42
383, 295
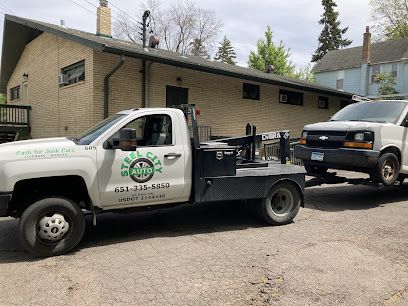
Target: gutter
106, 86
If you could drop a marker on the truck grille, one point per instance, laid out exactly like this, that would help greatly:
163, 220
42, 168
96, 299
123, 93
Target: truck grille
331, 139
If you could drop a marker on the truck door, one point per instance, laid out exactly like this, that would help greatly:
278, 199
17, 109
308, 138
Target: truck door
152, 174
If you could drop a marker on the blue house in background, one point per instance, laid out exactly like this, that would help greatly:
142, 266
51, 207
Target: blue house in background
354, 69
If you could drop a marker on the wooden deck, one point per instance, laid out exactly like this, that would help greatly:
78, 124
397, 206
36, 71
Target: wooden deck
14, 121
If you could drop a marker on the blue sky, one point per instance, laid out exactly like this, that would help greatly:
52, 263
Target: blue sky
293, 21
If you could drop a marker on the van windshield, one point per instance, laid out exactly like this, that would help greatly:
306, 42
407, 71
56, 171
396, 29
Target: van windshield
90, 135
383, 112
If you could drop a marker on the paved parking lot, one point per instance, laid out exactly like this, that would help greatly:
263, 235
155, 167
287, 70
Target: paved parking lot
349, 245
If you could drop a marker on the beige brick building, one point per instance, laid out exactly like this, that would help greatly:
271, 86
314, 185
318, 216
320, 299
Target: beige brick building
72, 79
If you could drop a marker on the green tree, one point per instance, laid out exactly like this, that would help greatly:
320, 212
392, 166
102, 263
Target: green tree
387, 83
226, 52
268, 53
390, 18
305, 74
198, 48
3, 99
331, 37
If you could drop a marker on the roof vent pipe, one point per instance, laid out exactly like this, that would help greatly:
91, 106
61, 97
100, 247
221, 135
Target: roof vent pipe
63, 23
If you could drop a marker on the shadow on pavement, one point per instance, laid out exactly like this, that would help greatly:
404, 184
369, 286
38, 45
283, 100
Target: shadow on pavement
117, 228
350, 197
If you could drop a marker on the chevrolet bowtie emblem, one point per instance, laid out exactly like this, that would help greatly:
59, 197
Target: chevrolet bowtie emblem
323, 137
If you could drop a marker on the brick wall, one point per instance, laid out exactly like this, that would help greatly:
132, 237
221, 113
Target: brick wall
56, 111
224, 109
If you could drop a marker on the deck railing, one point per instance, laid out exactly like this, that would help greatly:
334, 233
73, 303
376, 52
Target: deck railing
17, 116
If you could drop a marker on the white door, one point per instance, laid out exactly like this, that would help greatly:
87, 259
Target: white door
152, 174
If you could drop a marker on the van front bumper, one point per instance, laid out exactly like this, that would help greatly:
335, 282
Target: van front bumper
347, 159
5, 198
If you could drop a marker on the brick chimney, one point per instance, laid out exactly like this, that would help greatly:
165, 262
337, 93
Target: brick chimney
104, 20
367, 46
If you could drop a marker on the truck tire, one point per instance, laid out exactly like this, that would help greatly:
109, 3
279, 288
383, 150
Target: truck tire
387, 170
315, 169
281, 205
52, 226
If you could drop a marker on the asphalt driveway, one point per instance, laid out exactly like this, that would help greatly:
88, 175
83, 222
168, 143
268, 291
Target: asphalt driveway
349, 245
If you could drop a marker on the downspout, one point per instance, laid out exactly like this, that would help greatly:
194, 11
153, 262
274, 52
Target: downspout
144, 81
106, 86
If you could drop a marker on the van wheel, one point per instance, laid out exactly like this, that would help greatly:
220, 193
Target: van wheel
315, 169
387, 170
281, 205
51, 226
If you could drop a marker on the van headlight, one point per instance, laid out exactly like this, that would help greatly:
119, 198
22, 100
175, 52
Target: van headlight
359, 137
360, 140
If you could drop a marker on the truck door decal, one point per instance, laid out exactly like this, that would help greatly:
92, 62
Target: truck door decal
139, 168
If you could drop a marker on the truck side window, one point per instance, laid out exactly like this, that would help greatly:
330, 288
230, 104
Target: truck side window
153, 130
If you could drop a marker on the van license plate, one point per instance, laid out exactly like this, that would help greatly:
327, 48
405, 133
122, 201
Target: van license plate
317, 156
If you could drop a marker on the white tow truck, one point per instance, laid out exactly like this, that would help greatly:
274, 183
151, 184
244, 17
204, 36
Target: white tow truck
133, 160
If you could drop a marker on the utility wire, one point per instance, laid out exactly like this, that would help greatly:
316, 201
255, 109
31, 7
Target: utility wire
4, 8
118, 20
83, 7
123, 12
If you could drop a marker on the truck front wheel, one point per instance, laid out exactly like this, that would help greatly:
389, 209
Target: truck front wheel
51, 226
281, 205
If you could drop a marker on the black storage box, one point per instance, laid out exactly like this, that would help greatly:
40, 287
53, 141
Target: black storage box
218, 161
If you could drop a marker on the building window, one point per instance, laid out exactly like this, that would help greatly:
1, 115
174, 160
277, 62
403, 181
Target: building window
394, 71
290, 97
15, 93
375, 70
340, 80
323, 102
251, 91
74, 73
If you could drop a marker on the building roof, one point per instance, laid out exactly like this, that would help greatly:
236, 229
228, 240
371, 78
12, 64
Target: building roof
386, 51
20, 31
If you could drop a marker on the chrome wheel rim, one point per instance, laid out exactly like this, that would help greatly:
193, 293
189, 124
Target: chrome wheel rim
282, 202
52, 227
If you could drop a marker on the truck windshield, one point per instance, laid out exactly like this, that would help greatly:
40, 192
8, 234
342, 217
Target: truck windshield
383, 112
90, 135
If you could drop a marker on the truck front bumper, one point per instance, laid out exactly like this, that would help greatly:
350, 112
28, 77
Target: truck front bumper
5, 198
344, 159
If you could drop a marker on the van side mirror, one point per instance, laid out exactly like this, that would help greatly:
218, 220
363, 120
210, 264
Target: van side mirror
405, 122
128, 141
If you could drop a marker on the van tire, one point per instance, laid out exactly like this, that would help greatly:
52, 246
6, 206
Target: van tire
315, 169
51, 226
281, 205
387, 170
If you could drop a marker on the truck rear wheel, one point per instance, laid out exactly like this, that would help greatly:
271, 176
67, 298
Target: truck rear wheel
51, 226
281, 205
387, 170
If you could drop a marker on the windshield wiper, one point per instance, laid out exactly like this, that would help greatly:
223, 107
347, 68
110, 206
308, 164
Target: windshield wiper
74, 139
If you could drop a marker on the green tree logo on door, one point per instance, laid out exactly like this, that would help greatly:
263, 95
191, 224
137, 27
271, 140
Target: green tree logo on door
141, 168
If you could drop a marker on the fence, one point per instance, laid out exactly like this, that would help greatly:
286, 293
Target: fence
272, 152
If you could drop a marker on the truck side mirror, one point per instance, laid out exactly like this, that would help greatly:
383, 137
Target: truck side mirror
128, 139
